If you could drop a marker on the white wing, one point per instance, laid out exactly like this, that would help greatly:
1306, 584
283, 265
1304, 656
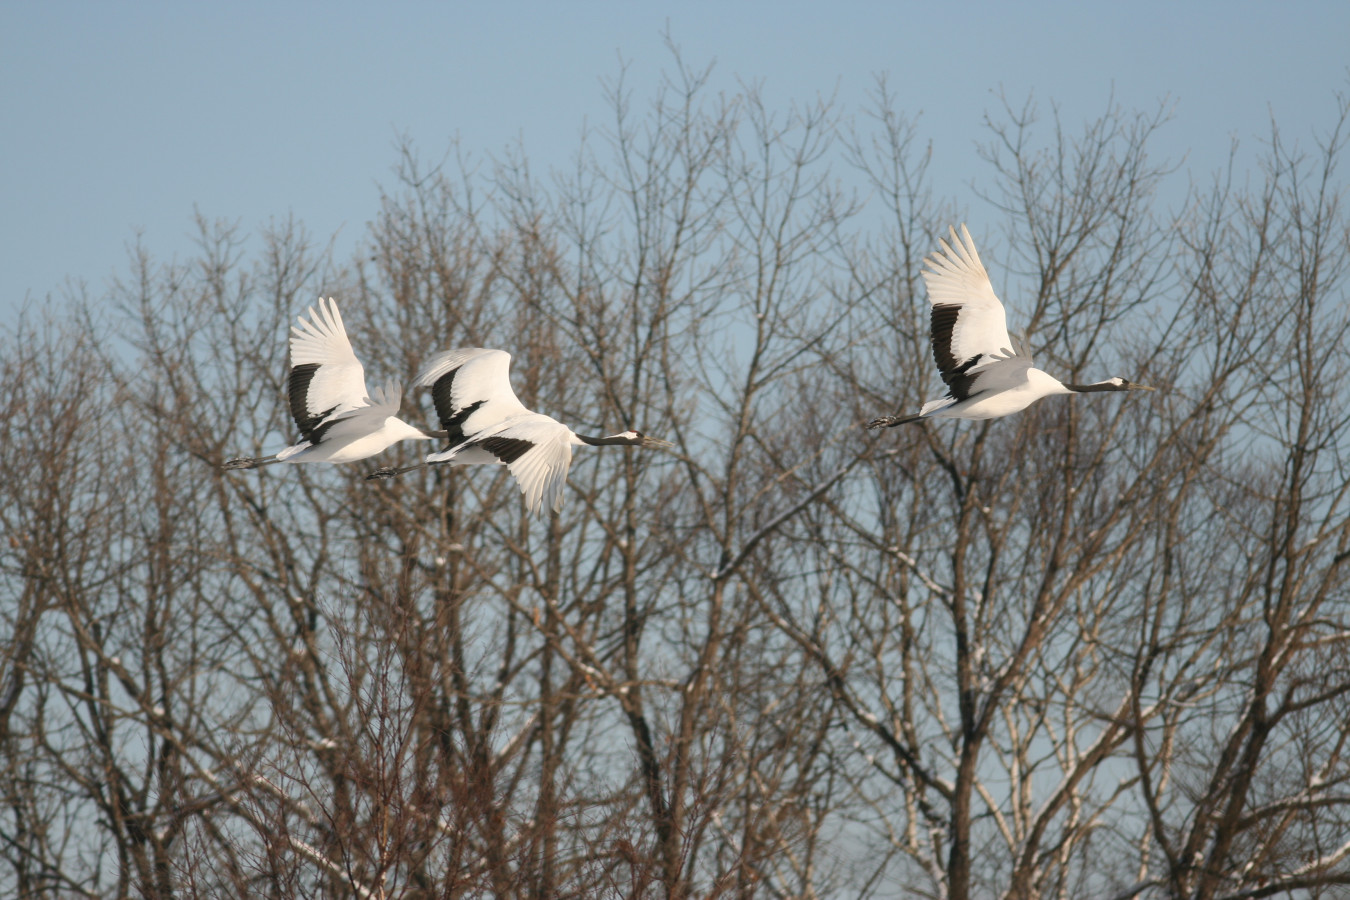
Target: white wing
471, 388
541, 470
326, 378
386, 400
967, 318
536, 449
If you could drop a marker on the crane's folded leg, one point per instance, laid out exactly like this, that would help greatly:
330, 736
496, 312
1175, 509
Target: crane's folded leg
390, 471
892, 421
248, 462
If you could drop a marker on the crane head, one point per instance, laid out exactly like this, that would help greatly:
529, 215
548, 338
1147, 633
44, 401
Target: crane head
642, 440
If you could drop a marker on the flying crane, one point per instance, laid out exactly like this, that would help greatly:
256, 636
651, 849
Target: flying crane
487, 424
338, 418
986, 376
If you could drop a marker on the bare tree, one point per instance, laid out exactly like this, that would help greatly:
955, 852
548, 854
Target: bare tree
1096, 649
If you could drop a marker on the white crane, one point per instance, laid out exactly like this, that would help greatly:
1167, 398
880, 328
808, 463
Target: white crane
339, 420
486, 424
986, 376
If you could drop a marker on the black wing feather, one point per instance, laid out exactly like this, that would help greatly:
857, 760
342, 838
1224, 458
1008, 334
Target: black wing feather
944, 318
311, 425
508, 450
954, 372
452, 418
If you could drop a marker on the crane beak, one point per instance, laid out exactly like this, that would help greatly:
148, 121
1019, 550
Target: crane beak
655, 442
1141, 387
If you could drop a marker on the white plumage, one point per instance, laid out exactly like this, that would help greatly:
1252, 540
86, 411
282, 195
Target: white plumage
986, 375
485, 423
338, 418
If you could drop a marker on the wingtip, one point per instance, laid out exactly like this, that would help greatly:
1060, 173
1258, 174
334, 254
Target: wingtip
965, 242
388, 394
334, 315
319, 320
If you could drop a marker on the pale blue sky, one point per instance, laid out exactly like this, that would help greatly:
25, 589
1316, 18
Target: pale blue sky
123, 117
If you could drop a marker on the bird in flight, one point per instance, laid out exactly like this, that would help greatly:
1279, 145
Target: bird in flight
985, 376
485, 423
338, 418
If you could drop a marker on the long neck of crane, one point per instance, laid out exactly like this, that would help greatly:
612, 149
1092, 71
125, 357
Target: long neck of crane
611, 440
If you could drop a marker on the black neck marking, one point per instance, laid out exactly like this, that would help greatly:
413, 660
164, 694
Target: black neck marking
608, 441
1090, 388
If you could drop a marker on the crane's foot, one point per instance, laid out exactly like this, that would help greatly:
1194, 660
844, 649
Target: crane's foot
242, 462
386, 472
891, 421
